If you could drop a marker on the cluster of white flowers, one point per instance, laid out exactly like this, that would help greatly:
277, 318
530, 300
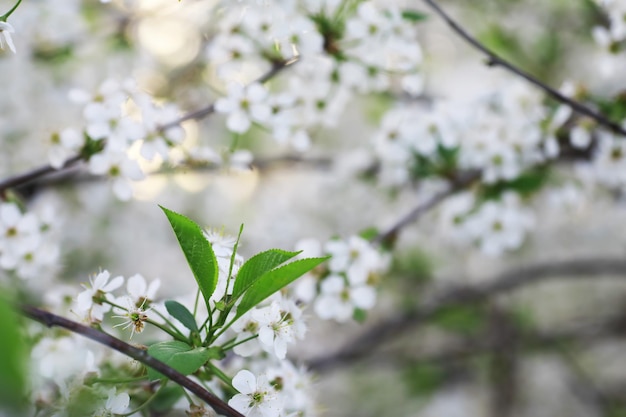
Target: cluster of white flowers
610, 37
498, 134
380, 42
279, 388
260, 338
98, 298
60, 366
375, 43
496, 226
26, 243
608, 165
110, 122
339, 49
273, 391
349, 282
278, 324
502, 136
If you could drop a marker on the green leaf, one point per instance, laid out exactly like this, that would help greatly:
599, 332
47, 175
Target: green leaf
424, 379
463, 319
614, 108
83, 402
180, 313
197, 250
166, 398
258, 265
13, 357
359, 315
526, 184
413, 264
178, 355
274, 280
414, 16
369, 233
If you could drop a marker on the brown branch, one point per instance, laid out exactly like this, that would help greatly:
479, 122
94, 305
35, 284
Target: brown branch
140, 355
503, 365
495, 60
26, 178
582, 333
205, 111
390, 327
388, 236
262, 164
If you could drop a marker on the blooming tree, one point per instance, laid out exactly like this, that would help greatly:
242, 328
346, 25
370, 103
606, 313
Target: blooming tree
114, 106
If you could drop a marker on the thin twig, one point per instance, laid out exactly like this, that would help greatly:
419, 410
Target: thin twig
262, 164
140, 355
495, 60
205, 111
389, 235
25, 178
582, 333
29, 176
390, 327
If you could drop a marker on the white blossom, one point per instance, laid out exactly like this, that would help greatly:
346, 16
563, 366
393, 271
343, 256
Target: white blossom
257, 397
6, 40
120, 169
89, 304
243, 105
338, 300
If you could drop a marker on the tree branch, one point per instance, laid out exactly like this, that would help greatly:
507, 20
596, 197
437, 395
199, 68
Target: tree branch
389, 235
495, 60
205, 111
262, 164
140, 355
36, 173
390, 327
27, 177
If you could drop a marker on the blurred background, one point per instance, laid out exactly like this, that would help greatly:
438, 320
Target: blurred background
537, 331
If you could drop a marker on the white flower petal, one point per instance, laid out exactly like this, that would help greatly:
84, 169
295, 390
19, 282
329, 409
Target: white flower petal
244, 382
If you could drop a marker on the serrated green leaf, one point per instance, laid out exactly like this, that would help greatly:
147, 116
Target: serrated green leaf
414, 15
178, 355
274, 280
197, 250
13, 358
180, 313
258, 265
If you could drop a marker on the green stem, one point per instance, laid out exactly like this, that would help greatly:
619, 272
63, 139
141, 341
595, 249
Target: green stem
195, 303
228, 346
5, 16
148, 401
204, 324
189, 399
118, 380
175, 335
221, 375
169, 323
223, 328
233, 146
